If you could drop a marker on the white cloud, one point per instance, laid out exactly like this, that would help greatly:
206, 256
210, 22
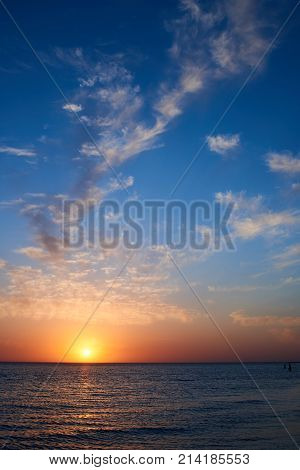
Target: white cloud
243, 41
113, 102
18, 152
250, 218
222, 144
69, 289
11, 203
242, 203
34, 252
289, 257
283, 163
119, 148
37, 195
74, 108
273, 223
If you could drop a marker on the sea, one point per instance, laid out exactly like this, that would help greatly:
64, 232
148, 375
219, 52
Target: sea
149, 406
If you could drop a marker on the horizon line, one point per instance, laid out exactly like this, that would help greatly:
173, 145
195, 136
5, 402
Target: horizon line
152, 363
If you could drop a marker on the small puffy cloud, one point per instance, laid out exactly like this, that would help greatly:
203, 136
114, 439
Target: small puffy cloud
18, 152
283, 163
242, 203
222, 144
74, 108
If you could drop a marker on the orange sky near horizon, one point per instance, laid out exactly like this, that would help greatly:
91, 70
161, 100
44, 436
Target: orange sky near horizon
28, 340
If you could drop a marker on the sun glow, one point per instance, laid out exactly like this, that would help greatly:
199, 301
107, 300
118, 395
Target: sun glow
86, 353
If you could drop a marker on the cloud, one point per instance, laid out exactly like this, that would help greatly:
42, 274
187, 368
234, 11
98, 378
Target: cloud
35, 253
289, 257
241, 318
242, 203
283, 163
41, 220
222, 144
221, 39
11, 203
230, 289
36, 195
172, 100
251, 219
250, 288
70, 290
296, 187
127, 122
284, 329
271, 224
74, 108
2, 263
117, 148
210, 42
18, 152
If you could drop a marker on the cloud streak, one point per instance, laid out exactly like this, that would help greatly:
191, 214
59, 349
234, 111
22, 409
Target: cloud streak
17, 151
251, 219
241, 318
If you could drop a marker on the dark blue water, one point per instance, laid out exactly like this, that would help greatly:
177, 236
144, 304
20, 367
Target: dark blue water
135, 406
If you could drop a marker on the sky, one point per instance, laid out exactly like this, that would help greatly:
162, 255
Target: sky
174, 100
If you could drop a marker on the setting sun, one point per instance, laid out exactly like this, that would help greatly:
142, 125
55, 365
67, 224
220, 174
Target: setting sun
86, 352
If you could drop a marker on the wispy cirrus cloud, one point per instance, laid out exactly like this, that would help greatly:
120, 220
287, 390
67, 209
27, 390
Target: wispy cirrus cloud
210, 42
284, 328
11, 203
290, 256
265, 224
243, 319
222, 144
283, 163
17, 151
251, 219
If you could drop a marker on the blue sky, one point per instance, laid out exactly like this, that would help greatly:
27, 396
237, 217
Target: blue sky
149, 82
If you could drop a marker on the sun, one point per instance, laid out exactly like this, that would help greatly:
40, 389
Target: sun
86, 353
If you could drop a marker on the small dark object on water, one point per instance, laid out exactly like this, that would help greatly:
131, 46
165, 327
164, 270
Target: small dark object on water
284, 366
290, 367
